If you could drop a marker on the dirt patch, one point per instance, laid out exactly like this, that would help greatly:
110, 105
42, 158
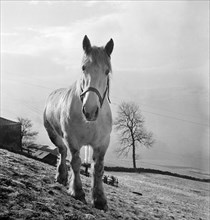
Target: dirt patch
28, 191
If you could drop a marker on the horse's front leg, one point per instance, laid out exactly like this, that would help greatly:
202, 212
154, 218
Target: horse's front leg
75, 187
98, 197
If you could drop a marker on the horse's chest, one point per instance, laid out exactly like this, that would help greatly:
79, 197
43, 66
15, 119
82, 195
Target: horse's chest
90, 132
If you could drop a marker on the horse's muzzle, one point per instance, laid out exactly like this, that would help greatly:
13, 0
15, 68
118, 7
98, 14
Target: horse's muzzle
90, 115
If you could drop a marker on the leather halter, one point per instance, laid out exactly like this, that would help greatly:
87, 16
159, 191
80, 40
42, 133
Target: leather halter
92, 89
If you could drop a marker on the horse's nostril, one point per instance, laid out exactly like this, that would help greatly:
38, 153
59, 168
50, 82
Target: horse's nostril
96, 113
87, 115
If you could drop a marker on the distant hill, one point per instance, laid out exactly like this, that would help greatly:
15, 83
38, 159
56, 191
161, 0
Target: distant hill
154, 171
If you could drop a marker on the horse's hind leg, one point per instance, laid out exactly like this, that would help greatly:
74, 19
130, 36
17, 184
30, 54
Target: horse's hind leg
62, 170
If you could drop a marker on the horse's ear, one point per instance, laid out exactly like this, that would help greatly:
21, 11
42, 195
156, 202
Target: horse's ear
109, 47
86, 45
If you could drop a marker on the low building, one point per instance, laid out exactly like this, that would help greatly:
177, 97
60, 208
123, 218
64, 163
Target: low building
10, 135
45, 153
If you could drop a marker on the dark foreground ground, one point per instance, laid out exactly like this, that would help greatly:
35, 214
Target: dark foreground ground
28, 191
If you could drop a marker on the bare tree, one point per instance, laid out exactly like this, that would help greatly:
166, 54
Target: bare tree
132, 133
27, 135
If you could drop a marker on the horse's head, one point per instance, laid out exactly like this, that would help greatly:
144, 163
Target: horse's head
96, 67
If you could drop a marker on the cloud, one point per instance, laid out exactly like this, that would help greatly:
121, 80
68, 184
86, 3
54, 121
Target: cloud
163, 33
34, 2
63, 44
9, 34
146, 34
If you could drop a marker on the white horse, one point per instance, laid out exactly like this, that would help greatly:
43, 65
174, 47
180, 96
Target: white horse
81, 115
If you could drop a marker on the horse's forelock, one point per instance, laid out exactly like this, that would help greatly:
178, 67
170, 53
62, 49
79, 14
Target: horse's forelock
98, 56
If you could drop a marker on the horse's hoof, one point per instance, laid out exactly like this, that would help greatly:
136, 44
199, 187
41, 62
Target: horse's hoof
83, 200
80, 197
102, 205
63, 181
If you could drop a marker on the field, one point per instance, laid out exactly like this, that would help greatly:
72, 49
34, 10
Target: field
166, 197
28, 191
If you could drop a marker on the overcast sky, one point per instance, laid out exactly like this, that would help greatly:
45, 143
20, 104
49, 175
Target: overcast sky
160, 61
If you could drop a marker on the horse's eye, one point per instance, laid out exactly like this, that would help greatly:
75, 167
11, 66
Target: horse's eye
107, 72
83, 67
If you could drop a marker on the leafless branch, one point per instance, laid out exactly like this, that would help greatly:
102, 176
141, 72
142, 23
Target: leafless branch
129, 124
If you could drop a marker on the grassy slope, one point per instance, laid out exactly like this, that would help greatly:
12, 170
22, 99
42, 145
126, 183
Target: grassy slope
28, 191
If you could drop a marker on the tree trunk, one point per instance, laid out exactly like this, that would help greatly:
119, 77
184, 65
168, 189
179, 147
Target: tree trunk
134, 149
134, 156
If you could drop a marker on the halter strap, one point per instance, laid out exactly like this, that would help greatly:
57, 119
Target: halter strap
92, 89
